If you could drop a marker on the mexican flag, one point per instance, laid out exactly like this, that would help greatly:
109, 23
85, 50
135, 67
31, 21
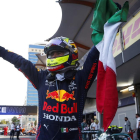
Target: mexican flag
107, 18
64, 130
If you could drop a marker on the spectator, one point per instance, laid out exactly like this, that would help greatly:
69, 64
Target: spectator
97, 124
18, 131
6, 130
127, 125
138, 125
83, 127
92, 125
12, 131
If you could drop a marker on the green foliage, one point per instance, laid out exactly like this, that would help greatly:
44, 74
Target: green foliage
15, 120
3, 121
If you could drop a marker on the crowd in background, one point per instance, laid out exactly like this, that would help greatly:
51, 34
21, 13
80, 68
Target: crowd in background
93, 124
13, 129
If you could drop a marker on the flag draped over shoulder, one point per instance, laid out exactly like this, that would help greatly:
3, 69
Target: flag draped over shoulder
106, 22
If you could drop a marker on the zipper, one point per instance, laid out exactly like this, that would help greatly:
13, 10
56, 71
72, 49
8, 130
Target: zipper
57, 86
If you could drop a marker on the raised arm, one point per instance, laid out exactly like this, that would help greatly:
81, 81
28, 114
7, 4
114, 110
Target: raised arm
23, 65
89, 71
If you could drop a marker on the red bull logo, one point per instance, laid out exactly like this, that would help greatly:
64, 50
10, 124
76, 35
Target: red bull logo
52, 95
64, 108
60, 95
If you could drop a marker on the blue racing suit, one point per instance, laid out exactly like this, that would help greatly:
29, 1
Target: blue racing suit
61, 103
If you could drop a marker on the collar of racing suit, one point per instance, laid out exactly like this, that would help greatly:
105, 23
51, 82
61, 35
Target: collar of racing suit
69, 75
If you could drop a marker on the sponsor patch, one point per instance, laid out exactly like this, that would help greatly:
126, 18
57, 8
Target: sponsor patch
59, 118
64, 130
73, 129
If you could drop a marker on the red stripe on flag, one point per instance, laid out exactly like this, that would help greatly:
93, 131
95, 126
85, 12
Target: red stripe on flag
111, 98
101, 84
67, 130
107, 94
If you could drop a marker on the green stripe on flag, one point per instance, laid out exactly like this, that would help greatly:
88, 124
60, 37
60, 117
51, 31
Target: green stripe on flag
104, 11
121, 15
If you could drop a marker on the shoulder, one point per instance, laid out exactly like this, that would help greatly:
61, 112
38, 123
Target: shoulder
138, 119
94, 124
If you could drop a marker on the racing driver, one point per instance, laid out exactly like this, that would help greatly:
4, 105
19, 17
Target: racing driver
62, 89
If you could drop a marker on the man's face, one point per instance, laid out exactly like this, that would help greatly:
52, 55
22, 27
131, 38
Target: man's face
125, 119
57, 53
136, 116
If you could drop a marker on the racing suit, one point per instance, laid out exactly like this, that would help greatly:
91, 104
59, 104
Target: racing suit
61, 102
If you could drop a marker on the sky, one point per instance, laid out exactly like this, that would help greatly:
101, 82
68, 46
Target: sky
22, 23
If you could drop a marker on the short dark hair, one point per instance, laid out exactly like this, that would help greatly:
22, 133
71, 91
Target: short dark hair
138, 114
126, 118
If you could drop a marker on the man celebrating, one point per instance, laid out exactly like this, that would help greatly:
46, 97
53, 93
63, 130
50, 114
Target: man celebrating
61, 88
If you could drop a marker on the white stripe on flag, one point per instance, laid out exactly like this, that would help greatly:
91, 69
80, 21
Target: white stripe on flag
106, 95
